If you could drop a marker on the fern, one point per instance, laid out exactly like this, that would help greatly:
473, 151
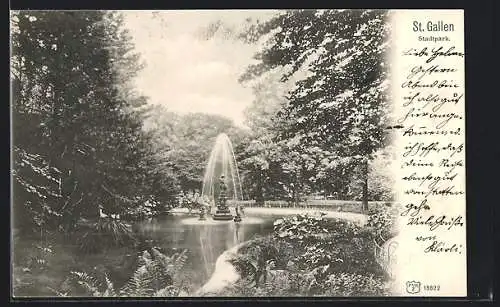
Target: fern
110, 288
139, 283
88, 283
154, 276
169, 291
156, 270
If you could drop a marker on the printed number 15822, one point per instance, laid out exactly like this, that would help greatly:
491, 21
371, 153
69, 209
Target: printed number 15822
431, 287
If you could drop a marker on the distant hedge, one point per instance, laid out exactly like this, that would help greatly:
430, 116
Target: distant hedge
335, 205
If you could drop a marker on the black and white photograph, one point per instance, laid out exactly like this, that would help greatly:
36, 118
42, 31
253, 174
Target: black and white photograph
202, 153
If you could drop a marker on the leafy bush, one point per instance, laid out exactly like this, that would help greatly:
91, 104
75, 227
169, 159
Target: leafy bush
310, 255
349, 284
103, 233
300, 228
192, 202
317, 255
253, 258
310, 283
381, 222
29, 266
142, 211
278, 283
342, 245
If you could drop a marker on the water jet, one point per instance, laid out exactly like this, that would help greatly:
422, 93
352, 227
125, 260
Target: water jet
222, 164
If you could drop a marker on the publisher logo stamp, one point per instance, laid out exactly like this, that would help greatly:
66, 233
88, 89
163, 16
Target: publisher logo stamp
413, 287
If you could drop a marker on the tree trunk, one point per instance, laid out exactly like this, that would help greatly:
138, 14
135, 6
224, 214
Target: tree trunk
296, 192
365, 187
259, 197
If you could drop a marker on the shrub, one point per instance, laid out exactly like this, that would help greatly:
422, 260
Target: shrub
253, 257
349, 253
322, 241
349, 284
381, 222
300, 228
103, 233
28, 267
316, 256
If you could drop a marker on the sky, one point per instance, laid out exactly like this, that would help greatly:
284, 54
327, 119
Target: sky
188, 74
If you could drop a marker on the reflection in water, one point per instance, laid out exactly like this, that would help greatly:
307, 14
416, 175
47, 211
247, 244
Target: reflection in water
205, 240
238, 238
227, 235
206, 251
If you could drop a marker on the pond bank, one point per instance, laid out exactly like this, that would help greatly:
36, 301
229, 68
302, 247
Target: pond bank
225, 273
278, 212
353, 217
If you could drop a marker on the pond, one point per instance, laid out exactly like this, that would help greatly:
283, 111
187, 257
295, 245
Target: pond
204, 240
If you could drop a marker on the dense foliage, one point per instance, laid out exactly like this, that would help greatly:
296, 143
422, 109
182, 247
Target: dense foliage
185, 142
321, 105
311, 255
382, 222
78, 140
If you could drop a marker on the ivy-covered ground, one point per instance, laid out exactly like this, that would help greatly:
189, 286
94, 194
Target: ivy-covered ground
315, 256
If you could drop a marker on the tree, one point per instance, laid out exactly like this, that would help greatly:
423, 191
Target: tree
185, 141
340, 105
256, 156
51, 94
75, 110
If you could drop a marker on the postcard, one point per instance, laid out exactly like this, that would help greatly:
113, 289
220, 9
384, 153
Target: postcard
238, 153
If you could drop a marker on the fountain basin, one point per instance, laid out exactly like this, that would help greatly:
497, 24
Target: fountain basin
244, 221
222, 217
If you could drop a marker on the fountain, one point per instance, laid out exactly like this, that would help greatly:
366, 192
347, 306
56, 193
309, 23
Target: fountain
222, 164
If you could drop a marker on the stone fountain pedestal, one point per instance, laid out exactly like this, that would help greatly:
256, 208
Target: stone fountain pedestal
222, 212
223, 215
